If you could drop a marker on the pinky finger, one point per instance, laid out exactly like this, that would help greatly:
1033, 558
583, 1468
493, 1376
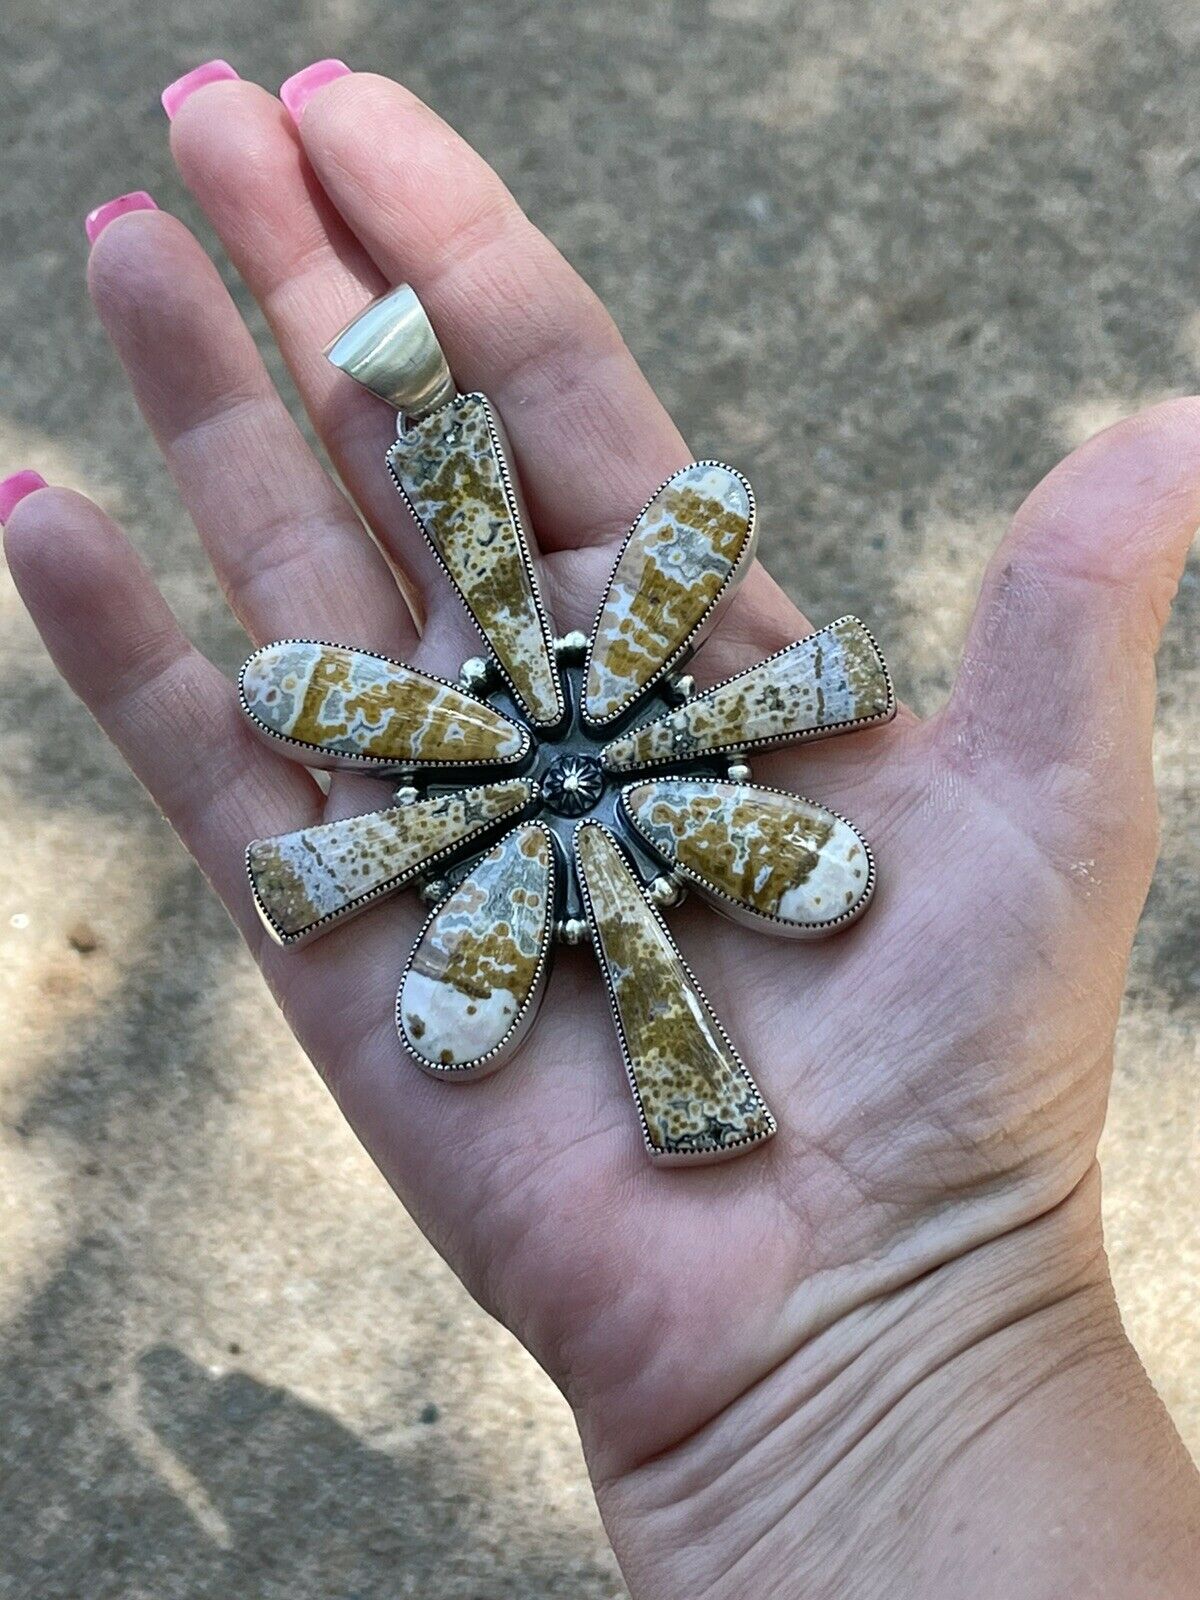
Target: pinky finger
170, 713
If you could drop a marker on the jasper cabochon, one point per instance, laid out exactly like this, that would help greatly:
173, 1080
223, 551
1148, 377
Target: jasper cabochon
679, 557
695, 1096
831, 682
470, 992
452, 473
768, 855
306, 880
339, 702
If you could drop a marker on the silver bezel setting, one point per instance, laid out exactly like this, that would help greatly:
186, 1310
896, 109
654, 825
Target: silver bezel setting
711, 616
666, 1158
740, 746
736, 910
349, 760
571, 736
503, 1051
516, 509
467, 844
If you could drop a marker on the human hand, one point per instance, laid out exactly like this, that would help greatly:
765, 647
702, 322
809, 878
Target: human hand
747, 1345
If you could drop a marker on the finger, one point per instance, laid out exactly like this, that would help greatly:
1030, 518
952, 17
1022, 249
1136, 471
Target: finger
236, 149
171, 714
592, 440
287, 547
515, 319
1056, 685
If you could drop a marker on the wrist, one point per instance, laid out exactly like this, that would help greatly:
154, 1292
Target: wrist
969, 1432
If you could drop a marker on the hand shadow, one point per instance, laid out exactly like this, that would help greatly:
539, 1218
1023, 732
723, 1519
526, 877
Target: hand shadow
307, 1509
216, 1484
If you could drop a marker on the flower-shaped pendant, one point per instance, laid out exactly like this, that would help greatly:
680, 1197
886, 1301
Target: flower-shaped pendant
568, 788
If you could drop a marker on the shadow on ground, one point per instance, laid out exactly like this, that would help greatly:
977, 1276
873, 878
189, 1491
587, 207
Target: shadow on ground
217, 1484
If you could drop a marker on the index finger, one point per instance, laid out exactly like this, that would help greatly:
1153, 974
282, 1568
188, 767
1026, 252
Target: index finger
515, 318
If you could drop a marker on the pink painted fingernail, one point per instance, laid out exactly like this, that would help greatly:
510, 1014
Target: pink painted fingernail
13, 490
300, 88
96, 221
176, 93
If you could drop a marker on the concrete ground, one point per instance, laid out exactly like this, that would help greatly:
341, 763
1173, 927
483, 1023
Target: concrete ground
893, 259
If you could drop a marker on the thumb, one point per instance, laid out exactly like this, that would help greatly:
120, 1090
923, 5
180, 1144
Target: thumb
1056, 685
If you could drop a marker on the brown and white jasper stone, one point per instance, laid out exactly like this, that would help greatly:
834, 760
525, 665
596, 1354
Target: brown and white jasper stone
451, 470
683, 553
470, 993
831, 682
305, 881
695, 1097
352, 707
759, 854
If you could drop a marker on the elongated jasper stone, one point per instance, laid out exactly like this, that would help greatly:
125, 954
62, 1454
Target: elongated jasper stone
831, 682
470, 986
451, 470
680, 555
770, 856
304, 881
695, 1096
354, 707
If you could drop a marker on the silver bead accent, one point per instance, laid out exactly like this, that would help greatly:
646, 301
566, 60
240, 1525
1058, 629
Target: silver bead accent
475, 675
571, 930
435, 891
406, 796
571, 646
684, 686
738, 772
667, 890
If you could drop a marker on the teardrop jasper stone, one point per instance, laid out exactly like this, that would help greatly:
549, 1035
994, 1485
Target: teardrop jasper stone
451, 470
469, 995
757, 853
695, 1097
305, 881
684, 551
832, 682
354, 708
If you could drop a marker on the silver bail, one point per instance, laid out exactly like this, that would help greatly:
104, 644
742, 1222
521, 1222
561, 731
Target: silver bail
391, 349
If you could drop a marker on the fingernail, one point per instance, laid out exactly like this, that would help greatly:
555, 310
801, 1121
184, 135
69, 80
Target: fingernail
300, 88
176, 93
13, 490
96, 221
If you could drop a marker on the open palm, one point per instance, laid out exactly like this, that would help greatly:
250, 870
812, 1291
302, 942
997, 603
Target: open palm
938, 1072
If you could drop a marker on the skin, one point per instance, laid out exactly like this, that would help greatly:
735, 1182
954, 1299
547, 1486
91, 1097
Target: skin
879, 1356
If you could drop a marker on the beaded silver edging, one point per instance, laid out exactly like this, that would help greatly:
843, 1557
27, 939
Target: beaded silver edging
349, 760
505, 1048
737, 910
777, 741
517, 513
711, 612
459, 847
660, 1157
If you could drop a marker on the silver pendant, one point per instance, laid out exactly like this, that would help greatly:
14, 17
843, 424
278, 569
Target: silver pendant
571, 788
